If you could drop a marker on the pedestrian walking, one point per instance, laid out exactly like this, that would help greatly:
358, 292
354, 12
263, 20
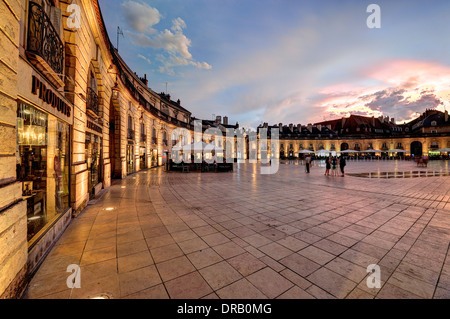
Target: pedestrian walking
307, 163
342, 164
327, 166
334, 166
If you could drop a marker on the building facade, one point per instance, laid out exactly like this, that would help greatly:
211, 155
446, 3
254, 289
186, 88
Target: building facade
423, 136
73, 116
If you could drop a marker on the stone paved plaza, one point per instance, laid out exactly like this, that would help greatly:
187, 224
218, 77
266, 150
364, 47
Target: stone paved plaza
246, 235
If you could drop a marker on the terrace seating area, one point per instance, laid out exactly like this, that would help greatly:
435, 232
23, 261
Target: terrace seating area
200, 167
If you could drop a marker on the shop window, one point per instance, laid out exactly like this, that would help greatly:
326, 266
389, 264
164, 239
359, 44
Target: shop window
93, 149
42, 167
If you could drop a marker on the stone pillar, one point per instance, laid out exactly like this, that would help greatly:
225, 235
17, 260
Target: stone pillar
13, 210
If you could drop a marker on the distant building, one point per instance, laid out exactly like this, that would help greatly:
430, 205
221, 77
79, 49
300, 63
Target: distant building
423, 135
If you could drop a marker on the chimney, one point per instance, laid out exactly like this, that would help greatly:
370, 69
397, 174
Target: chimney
299, 128
319, 127
218, 119
237, 125
225, 120
291, 127
265, 125
280, 126
343, 121
446, 116
373, 121
168, 97
145, 80
392, 120
309, 127
178, 102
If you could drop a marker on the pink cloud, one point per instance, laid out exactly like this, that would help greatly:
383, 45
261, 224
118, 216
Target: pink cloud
407, 87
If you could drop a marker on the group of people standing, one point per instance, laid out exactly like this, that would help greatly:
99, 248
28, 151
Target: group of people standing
331, 163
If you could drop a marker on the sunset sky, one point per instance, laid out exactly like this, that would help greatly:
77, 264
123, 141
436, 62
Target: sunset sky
286, 61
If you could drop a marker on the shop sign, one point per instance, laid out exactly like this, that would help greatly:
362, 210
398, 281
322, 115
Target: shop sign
94, 127
48, 96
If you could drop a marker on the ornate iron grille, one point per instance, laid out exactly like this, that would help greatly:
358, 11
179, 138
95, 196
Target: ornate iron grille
92, 101
43, 40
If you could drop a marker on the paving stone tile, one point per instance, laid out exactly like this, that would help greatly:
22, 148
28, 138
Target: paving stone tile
159, 241
137, 280
411, 284
332, 282
166, 252
215, 239
307, 237
295, 278
131, 248
174, 268
299, 264
220, 275
156, 292
269, 282
359, 294
191, 245
134, 261
292, 243
272, 263
330, 246
190, 286
98, 255
347, 269
246, 264
317, 255
275, 251
241, 289
228, 250
389, 291
257, 223
204, 257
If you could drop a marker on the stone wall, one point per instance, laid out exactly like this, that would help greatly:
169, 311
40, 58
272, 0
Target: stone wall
13, 222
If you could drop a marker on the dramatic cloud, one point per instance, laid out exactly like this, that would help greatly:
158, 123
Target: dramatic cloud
140, 16
406, 88
174, 43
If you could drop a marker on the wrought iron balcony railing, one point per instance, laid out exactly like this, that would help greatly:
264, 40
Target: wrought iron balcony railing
92, 101
43, 40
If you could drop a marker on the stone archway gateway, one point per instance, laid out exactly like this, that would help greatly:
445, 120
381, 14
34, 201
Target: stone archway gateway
416, 148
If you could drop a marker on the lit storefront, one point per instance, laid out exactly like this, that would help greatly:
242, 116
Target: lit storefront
43, 161
44, 120
93, 149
